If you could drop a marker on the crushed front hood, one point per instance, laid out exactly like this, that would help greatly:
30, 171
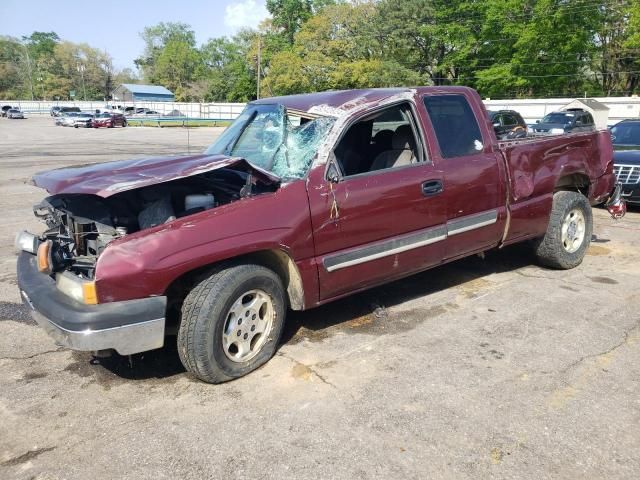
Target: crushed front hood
106, 179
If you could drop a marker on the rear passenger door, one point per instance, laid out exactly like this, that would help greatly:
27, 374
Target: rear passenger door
472, 170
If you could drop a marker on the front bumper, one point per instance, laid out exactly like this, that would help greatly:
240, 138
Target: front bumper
128, 327
631, 193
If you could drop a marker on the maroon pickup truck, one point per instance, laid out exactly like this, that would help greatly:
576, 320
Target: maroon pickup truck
302, 200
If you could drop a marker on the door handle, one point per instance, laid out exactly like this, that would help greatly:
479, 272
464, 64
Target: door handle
432, 187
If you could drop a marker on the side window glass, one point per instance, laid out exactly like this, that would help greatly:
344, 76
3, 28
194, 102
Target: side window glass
510, 120
386, 139
455, 125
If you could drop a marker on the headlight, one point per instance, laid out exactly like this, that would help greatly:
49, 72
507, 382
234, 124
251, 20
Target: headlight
556, 131
75, 287
27, 242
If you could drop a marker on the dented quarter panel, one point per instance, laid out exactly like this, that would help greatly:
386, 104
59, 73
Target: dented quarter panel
536, 166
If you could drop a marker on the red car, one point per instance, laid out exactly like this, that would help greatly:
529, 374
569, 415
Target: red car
301, 201
108, 120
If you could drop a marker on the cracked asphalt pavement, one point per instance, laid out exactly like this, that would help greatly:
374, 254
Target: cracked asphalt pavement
484, 368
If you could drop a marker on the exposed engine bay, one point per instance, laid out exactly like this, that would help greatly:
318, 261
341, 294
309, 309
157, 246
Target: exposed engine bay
81, 226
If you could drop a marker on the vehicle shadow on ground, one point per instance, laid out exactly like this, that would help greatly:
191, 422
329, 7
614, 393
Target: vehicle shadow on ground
371, 305
314, 324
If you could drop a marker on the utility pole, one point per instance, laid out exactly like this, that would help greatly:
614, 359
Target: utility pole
259, 62
26, 51
80, 67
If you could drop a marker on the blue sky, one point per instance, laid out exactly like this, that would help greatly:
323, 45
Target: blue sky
115, 25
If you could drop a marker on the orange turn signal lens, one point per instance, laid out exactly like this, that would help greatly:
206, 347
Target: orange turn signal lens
89, 293
44, 257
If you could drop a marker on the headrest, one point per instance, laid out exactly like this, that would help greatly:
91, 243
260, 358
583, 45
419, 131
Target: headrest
383, 139
403, 138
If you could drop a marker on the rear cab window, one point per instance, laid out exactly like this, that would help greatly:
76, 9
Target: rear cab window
454, 124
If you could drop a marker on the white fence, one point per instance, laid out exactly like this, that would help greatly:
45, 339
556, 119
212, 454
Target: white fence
216, 111
620, 108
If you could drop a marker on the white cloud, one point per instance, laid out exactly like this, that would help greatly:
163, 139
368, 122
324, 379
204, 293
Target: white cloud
247, 13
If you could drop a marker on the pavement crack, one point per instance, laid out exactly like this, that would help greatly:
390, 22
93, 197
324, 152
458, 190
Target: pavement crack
624, 341
25, 457
304, 368
46, 352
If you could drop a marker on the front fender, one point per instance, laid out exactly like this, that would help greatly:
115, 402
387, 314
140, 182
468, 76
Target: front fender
128, 271
145, 263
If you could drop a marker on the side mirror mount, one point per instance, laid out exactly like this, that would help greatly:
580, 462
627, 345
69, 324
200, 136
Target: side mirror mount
333, 174
496, 125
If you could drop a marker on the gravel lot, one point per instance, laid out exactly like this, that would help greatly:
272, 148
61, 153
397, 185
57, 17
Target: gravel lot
485, 368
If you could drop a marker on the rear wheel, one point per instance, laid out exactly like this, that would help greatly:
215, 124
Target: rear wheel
231, 322
568, 233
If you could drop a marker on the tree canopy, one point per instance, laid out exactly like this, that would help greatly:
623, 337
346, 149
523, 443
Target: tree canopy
503, 48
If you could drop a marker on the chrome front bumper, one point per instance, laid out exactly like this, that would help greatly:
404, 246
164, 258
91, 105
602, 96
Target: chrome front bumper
128, 327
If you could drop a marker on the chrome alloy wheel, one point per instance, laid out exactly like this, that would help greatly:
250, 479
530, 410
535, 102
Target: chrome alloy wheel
573, 230
248, 325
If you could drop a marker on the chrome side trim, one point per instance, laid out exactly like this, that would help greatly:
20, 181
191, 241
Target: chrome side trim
385, 248
126, 340
471, 222
409, 242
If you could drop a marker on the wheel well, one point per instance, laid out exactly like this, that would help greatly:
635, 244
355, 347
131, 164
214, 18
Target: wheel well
575, 182
276, 260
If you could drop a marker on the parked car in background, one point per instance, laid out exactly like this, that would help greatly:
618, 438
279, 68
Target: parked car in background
66, 119
144, 112
109, 120
55, 110
626, 158
83, 120
175, 113
69, 110
294, 206
570, 121
5, 109
15, 113
508, 124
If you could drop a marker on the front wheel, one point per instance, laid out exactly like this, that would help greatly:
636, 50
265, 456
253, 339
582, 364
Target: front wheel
231, 322
569, 232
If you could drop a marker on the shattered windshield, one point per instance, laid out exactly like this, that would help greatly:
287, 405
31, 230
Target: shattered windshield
273, 139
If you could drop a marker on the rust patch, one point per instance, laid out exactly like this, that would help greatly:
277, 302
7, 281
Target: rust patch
496, 456
361, 321
472, 288
597, 250
301, 372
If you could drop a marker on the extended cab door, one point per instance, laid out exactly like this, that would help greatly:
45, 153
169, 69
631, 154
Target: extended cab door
378, 211
472, 168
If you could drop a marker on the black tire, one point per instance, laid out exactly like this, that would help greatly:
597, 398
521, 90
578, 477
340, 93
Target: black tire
205, 313
124, 124
551, 250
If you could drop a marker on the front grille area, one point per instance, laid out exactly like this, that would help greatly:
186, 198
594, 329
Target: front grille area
627, 174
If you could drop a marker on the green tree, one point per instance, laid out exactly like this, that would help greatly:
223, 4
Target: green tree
176, 67
156, 39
